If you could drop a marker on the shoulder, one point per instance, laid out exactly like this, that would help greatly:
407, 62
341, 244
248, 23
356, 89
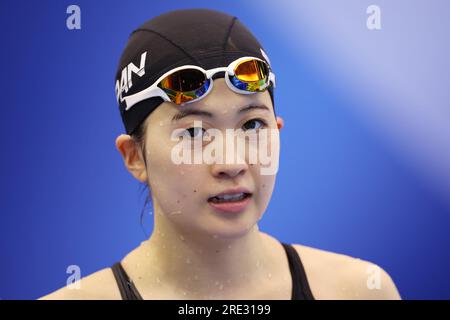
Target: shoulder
100, 285
339, 276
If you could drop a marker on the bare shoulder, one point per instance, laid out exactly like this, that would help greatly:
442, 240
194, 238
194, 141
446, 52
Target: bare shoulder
100, 285
339, 276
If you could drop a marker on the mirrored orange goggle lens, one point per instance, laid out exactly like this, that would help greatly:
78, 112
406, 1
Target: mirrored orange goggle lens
251, 70
184, 80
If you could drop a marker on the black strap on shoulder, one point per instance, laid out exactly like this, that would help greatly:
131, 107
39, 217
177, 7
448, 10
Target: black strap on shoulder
300, 286
126, 287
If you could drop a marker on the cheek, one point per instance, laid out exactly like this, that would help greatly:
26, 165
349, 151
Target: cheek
175, 187
264, 186
267, 183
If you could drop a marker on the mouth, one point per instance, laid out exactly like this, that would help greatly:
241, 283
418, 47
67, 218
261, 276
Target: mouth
231, 200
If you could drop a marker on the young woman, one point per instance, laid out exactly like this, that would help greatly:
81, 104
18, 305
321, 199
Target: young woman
191, 75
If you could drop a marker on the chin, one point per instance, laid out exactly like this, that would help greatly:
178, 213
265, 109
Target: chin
231, 229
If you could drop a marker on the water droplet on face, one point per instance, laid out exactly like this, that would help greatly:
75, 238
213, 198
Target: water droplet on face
258, 264
161, 123
215, 236
229, 246
269, 276
195, 277
184, 293
182, 238
157, 280
221, 287
188, 261
175, 212
217, 283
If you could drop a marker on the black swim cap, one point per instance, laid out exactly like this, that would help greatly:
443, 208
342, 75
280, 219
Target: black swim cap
202, 37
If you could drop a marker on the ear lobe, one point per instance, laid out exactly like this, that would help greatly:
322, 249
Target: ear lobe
280, 123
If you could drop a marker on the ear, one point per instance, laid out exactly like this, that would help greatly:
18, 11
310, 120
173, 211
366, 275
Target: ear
280, 123
132, 157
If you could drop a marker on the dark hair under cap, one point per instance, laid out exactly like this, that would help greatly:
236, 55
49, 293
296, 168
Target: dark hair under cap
202, 37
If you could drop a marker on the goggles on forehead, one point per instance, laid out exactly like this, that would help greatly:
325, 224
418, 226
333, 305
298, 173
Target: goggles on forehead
190, 83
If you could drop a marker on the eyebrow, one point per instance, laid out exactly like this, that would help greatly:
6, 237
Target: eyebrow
189, 112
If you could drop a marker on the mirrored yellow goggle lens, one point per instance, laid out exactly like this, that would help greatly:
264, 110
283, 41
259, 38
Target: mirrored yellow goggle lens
251, 70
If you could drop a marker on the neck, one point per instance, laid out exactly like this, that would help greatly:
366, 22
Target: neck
202, 264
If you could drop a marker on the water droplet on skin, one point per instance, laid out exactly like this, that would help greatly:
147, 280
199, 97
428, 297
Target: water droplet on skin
195, 277
217, 283
221, 287
184, 293
215, 236
164, 246
229, 246
188, 261
182, 172
176, 212
161, 123
157, 280
269, 276
182, 238
258, 264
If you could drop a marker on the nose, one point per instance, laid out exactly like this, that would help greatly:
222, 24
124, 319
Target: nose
229, 170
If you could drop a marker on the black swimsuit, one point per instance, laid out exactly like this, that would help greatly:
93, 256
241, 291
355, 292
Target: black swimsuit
300, 286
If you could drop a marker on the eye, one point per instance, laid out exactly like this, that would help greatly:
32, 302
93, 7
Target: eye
195, 132
253, 124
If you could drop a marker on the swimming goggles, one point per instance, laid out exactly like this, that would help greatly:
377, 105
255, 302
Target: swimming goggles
190, 83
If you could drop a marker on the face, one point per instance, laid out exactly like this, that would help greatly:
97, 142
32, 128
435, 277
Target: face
181, 190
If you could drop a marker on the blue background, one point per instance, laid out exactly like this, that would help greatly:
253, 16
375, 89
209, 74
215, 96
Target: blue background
365, 155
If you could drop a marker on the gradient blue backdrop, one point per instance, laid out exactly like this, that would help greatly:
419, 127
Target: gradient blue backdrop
365, 153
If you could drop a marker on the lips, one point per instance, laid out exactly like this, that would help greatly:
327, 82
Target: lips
231, 200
